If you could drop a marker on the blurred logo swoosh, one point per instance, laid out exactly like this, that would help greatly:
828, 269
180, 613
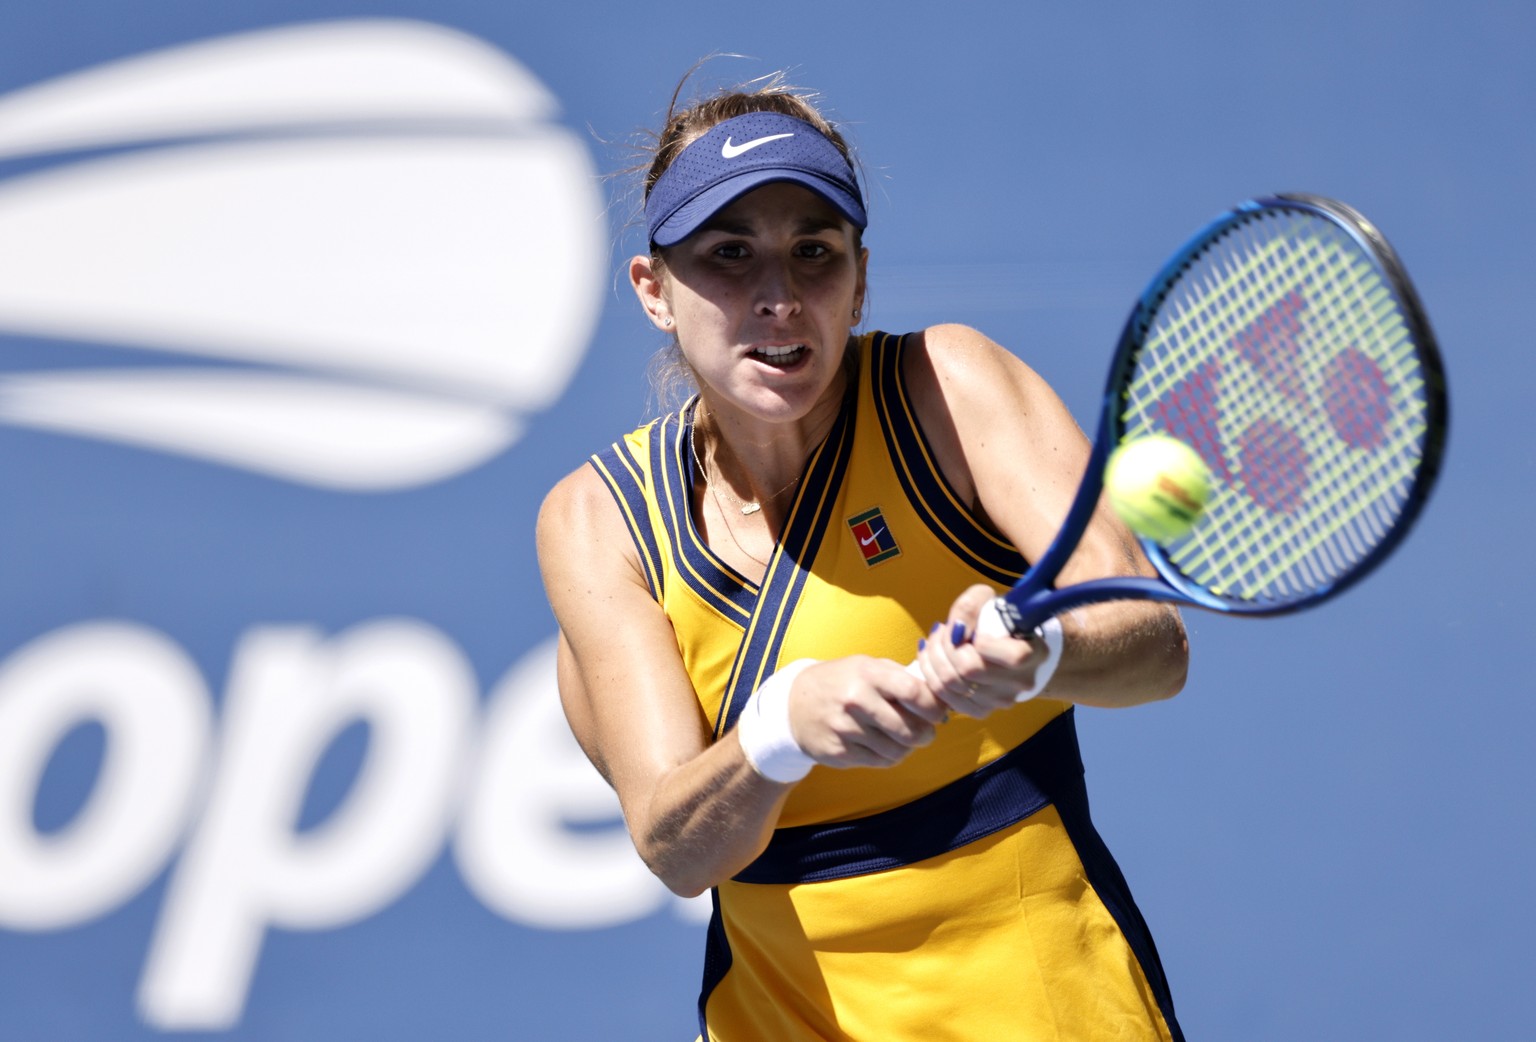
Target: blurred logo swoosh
355, 255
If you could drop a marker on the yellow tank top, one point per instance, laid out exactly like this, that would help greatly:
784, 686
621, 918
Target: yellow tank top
874, 551
811, 941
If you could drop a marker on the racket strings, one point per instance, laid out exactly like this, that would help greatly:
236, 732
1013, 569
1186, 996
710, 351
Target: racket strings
1279, 467
1291, 416
1312, 559
1281, 354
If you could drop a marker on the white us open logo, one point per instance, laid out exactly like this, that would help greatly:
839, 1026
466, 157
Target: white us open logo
353, 254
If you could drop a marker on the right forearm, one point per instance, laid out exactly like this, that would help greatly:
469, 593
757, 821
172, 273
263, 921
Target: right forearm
707, 819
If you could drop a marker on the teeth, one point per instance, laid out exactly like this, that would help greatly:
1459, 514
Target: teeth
780, 352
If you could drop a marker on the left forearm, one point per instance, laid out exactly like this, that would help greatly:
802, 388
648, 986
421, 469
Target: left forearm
1121, 653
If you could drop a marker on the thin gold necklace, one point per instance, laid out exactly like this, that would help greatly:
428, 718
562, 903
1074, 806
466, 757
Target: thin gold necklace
747, 509
724, 521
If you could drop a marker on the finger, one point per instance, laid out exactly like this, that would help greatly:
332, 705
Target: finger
963, 697
909, 691
955, 670
940, 649
967, 607
929, 659
849, 743
1010, 662
853, 754
880, 749
925, 706
921, 730
890, 720
958, 666
1022, 662
939, 675
963, 704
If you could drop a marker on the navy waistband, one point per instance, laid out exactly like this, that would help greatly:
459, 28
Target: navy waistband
1007, 790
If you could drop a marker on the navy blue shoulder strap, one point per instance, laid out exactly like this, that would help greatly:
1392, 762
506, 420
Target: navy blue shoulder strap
930, 493
625, 479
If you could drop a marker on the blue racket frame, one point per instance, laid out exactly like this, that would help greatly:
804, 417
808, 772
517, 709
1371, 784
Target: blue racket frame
1034, 599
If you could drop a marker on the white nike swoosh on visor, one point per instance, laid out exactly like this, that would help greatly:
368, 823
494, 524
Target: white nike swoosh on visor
730, 151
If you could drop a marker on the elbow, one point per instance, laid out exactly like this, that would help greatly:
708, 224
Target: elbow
1158, 667
1171, 680
687, 888
1150, 667
694, 837
688, 870
1155, 684
682, 880
685, 872
1172, 667
675, 872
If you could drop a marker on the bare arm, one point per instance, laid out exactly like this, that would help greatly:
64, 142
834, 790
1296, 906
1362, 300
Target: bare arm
697, 811
1006, 442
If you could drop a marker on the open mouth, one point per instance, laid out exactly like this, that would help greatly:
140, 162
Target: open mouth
782, 356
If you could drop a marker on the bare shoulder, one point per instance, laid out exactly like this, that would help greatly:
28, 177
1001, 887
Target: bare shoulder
573, 502
966, 378
581, 535
955, 338
960, 359
982, 408
578, 498
960, 378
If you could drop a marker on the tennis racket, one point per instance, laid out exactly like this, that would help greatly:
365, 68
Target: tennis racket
1286, 345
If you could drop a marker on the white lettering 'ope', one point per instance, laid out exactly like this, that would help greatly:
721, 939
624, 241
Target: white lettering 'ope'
514, 792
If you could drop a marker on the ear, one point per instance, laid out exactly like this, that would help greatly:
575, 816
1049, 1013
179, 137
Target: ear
650, 287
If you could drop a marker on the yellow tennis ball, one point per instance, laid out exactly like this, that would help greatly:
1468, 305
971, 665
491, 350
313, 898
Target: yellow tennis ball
1158, 485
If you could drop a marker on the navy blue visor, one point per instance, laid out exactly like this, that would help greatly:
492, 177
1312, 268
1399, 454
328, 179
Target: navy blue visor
741, 154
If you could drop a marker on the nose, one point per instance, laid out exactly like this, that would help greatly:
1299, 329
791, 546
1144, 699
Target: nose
777, 294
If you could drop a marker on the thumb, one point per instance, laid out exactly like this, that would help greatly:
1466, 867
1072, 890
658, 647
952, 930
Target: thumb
967, 609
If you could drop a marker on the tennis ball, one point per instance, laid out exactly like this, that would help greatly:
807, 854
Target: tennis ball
1158, 485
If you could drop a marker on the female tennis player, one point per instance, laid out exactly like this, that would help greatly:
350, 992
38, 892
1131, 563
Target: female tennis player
741, 585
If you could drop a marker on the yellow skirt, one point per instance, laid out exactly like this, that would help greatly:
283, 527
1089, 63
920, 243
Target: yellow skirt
1010, 936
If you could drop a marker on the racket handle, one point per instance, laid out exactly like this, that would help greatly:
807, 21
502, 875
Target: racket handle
991, 623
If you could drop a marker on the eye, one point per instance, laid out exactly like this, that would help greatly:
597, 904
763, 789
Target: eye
729, 251
813, 250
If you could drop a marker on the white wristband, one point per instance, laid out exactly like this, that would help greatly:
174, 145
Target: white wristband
764, 733
1048, 631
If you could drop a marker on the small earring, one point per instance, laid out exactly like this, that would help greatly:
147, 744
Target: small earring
667, 321
855, 314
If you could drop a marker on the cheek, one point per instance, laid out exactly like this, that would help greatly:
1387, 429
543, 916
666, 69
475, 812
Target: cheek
704, 316
837, 297
704, 301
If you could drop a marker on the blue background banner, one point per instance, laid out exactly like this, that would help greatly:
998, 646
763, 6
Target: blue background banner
304, 305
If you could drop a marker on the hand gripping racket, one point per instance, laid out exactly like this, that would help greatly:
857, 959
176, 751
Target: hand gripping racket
1286, 345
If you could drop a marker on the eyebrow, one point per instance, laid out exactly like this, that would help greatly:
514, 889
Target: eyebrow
809, 226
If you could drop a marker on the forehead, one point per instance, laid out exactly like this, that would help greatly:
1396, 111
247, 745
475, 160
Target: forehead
780, 205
